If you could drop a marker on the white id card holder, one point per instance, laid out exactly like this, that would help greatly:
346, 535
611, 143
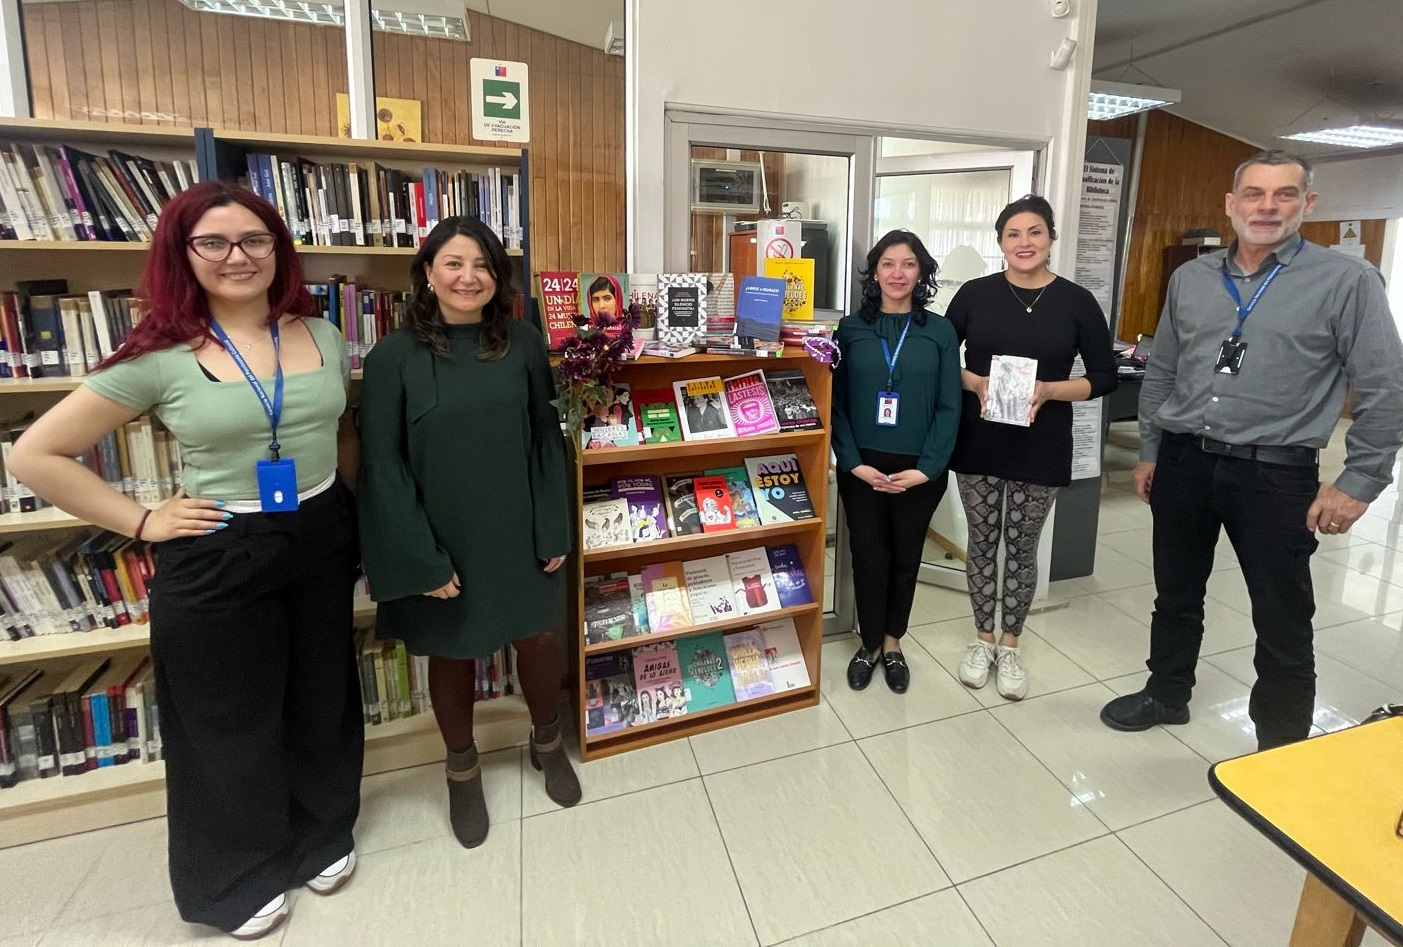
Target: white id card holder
888, 404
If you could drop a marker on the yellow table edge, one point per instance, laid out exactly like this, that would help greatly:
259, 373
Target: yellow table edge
1361, 770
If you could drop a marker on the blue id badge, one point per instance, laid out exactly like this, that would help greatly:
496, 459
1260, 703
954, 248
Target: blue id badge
277, 485
888, 403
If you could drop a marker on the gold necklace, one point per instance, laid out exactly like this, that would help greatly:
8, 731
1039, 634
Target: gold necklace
1028, 307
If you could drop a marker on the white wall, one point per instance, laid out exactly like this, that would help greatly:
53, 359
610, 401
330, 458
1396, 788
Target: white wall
1360, 188
968, 69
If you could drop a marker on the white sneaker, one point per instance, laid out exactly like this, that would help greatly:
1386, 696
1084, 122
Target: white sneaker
1011, 679
979, 658
334, 875
270, 916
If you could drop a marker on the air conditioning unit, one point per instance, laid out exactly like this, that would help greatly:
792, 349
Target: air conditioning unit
614, 39
726, 187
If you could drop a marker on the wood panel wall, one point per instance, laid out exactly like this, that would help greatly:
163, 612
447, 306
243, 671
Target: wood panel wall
157, 62
1186, 170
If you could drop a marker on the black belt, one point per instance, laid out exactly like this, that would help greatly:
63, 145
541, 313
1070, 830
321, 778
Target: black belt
1287, 456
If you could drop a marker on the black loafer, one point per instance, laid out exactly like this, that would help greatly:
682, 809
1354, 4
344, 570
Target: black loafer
898, 674
860, 668
1140, 711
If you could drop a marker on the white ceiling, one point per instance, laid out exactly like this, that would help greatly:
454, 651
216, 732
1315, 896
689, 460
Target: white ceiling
1245, 67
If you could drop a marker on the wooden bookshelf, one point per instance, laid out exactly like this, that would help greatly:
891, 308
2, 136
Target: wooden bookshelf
596, 467
44, 808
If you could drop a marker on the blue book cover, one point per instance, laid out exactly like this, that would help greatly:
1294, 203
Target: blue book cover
706, 674
760, 308
791, 582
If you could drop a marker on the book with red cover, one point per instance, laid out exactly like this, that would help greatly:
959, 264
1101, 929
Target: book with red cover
560, 303
714, 504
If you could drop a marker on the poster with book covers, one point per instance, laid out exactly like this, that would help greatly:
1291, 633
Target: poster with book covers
780, 493
608, 608
682, 513
752, 581
657, 676
702, 408
792, 400
798, 276
750, 667
709, 590
749, 401
560, 304
647, 513
603, 294
682, 309
714, 504
706, 677
742, 499
606, 523
611, 701
1012, 380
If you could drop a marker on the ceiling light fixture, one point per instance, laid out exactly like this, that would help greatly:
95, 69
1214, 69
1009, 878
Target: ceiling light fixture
1114, 99
1333, 125
440, 20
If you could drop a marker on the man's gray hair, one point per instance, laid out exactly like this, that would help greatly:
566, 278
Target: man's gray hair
1275, 157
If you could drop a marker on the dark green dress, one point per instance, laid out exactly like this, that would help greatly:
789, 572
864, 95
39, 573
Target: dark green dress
463, 468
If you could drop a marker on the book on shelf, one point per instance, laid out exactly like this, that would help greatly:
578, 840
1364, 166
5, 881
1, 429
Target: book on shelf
706, 675
748, 399
742, 497
750, 669
667, 349
799, 285
683, 517
781, 495
665, 594
603, 294
606, 523
643, 298
657, 416
657, 676
793, 402
681, 315
560, 303
614, 422
608, 608
18, 680
714, 504
720, 299
647, 513
710, 592
611, 701
93, 580
702, 408
752, 581
791, 581
783, 655
638, 599
759, 309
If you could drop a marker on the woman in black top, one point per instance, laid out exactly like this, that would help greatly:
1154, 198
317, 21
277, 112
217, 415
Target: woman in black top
896, 402
1008, 474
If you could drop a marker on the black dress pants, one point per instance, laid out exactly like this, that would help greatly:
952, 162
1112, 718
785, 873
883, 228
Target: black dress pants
259, 704
886, 533
1263, 508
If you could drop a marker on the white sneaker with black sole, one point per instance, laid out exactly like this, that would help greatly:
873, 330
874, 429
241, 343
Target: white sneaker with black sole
979, 659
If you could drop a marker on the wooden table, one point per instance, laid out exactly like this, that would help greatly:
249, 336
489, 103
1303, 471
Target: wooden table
1333, 804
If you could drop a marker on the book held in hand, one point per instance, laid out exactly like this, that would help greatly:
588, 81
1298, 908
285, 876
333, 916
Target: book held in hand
1012, 380
778, 485
702, 408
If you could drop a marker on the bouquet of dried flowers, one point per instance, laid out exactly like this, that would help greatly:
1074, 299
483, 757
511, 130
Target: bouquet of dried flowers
587, 364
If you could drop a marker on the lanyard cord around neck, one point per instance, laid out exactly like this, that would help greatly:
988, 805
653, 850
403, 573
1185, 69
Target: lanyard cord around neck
273, 408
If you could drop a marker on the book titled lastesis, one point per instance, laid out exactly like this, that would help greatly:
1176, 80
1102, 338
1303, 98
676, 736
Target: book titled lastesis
749, 401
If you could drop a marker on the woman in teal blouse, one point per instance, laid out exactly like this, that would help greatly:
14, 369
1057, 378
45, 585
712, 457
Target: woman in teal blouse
896, 410
463, 501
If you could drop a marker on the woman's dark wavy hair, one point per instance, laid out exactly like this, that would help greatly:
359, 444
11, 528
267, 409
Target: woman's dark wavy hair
922, 293
422, 316
177, 310
1027, 204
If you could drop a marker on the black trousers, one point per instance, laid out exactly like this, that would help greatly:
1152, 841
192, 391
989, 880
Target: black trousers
259, 704
886, 533
1263, 508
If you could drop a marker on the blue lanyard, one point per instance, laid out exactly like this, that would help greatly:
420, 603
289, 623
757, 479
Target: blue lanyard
274, 408
1244, 311
892, 357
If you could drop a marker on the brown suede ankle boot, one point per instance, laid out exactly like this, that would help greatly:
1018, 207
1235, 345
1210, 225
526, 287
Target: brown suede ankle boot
467, 808
548, 755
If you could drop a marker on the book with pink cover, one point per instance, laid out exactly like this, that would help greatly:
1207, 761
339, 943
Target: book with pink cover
657, 672
749, 401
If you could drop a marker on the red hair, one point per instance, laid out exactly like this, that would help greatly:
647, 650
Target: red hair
176, 309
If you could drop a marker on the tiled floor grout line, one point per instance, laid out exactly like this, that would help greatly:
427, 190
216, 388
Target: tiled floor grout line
730, 860
1170, 888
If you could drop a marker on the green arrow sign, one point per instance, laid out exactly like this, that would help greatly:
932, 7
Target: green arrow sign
501, 99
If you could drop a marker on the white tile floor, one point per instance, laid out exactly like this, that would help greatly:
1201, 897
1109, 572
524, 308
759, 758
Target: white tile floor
942, 817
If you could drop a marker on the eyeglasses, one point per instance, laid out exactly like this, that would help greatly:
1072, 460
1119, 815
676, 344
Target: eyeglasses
256, 246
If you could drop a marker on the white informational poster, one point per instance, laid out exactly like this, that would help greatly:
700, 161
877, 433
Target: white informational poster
500, 100
1098, 236
1086, 432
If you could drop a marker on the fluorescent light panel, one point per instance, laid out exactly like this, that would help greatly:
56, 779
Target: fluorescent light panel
1114, 99
1360, 134
413, 23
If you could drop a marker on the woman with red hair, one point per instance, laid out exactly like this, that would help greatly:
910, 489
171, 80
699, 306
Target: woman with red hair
256, 556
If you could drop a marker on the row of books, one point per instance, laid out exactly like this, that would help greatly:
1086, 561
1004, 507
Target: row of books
755, 402
97, 579
670, 679
675, 305
395, 684
368, 205
364, 316
671, 596
639, 508
61, 193
48, 332
72, 718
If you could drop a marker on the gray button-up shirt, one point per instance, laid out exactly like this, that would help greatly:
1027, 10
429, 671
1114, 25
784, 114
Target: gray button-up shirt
1322, 326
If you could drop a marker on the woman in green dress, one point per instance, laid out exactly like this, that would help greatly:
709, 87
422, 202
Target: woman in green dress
463, 504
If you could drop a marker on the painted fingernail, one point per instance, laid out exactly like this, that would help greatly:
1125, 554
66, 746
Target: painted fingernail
222, 526
218, 502
228, 516
208, 531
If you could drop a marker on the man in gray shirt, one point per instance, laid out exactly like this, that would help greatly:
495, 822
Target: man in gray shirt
1252, 358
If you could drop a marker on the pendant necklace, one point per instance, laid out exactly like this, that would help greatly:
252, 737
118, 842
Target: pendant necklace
1028, 307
